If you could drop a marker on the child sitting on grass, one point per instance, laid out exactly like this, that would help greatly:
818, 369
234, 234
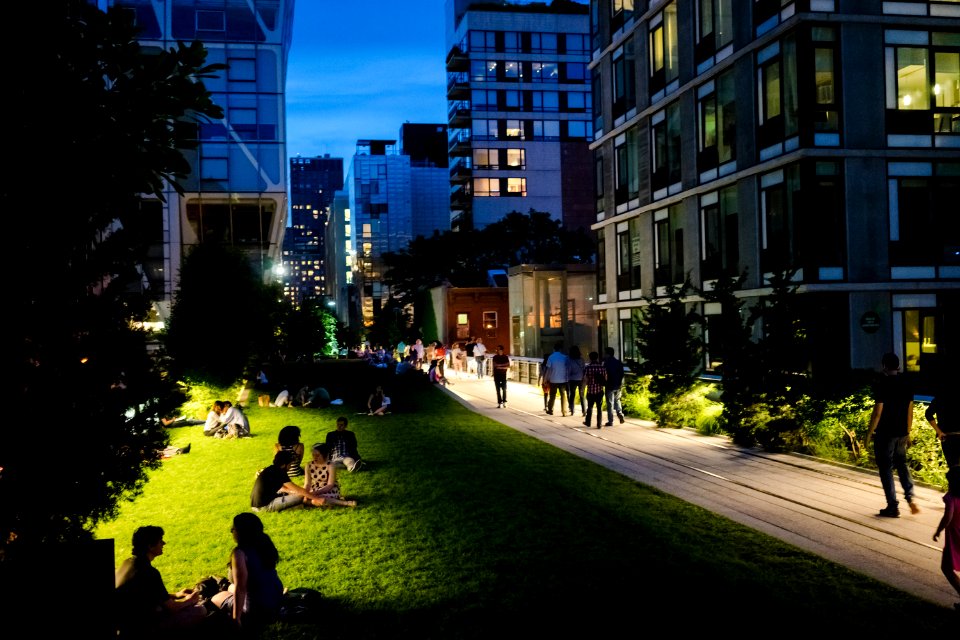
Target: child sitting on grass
321, 480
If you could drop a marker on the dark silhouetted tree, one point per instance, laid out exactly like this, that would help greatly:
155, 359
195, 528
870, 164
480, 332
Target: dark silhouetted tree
669, 343
224, 319
100, 124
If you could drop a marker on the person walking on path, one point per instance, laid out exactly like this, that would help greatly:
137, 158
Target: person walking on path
950, 523
417, 348
614, 386
942, 416
480, 355
575, 366
544, 383
890, 426
557, 375
501, 365
594, 380
469, 348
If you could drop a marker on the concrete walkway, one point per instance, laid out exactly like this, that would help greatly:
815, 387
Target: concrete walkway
824, 508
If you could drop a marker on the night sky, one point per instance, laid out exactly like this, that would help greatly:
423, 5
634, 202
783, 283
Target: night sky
360, 70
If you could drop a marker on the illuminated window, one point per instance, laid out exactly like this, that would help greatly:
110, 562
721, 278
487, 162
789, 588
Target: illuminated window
484, 187
517, 186
664, 49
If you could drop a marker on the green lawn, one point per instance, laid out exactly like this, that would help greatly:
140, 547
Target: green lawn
467, 528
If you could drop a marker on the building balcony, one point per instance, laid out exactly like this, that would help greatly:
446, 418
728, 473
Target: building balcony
458, 114
460, 196
458, 86
458, 142
458, 60
460, 170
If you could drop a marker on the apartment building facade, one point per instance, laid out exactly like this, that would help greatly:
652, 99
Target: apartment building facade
759, 136
518, 95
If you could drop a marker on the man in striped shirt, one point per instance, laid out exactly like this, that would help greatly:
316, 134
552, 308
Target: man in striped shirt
594, 380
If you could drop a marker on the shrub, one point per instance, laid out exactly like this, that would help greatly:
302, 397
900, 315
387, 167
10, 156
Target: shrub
835, 428
925, 455
635, 398
692, 408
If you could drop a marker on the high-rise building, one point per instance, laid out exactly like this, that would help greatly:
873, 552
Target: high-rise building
381, 217
426, 146
237, 193
395, 194
313, 183
763, 136
519, 111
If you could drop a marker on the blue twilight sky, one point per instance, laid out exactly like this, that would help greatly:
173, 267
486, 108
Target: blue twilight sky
360, 70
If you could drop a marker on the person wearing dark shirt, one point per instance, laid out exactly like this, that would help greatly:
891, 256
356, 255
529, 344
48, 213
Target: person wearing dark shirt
942, 416
274, 491
501, 365
614, 385
145, 607
890, 425
343, 447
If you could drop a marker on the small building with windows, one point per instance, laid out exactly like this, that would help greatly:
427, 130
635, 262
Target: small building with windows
819, 136
463, 313
552, 303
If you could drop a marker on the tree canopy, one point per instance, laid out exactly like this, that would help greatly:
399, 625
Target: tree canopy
464, 257
223, 318
98, 125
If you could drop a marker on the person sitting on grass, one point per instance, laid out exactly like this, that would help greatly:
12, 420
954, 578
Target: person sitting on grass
274, 491
378, 403
321, 479
343, 447
235, 420
289, 440
213, 426
255, 594
146, 609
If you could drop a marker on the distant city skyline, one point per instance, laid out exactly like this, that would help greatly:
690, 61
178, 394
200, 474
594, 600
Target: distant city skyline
360, 70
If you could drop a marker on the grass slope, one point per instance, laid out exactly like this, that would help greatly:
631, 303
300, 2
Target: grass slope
468, 528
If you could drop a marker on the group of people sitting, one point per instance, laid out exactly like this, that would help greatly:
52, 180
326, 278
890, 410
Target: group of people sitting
249, 598
225, 420
252, 593
306, 396
274, 489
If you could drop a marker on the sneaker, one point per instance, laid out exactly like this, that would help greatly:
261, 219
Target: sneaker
357, 466
620, 415
889, 512
914, 509
607, 424
185, 449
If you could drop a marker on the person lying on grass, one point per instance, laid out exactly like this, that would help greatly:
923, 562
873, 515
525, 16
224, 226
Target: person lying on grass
321, 480
274, 491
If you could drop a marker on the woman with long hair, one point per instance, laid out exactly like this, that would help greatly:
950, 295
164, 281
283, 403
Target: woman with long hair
255, 593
